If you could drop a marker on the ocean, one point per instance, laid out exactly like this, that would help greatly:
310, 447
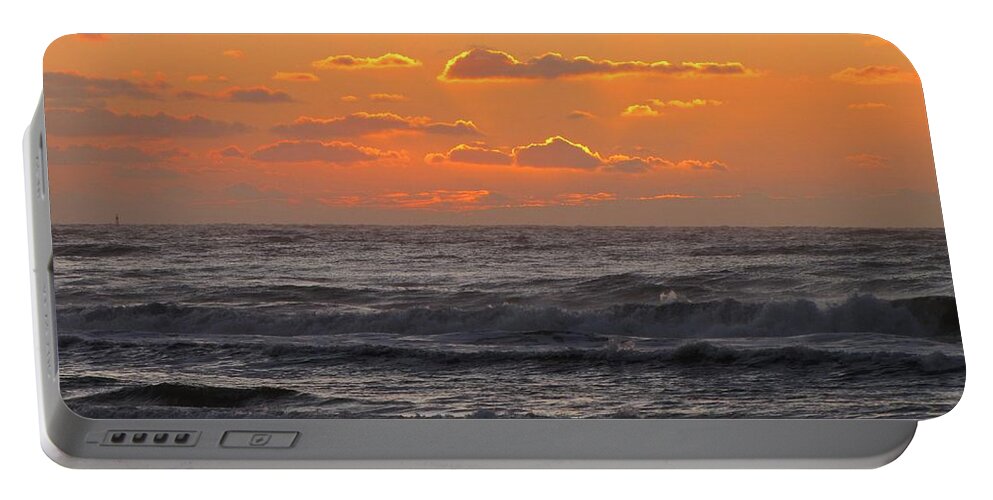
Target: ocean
331, 321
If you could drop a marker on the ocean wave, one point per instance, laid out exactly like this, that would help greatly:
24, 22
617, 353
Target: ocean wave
201, 396
688, 354
695, 353
296, 293
101, 249
934, 317
624, 287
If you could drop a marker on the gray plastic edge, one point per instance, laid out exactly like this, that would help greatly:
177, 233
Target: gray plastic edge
72, 440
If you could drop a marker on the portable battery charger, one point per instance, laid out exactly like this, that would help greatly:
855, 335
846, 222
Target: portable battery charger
486, 250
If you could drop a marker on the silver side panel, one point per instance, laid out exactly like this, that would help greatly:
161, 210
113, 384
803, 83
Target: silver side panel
74, 441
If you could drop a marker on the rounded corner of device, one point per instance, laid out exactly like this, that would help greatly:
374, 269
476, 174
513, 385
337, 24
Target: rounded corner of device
889, 455
59, 422
59, 455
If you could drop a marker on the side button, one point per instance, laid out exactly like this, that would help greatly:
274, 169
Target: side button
251, 439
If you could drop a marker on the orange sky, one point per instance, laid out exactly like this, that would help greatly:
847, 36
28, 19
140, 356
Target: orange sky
480, 129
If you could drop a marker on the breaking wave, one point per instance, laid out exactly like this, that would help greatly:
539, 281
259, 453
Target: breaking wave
689, 354
933, 317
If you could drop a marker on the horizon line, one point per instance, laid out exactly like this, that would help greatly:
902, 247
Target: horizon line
339, 224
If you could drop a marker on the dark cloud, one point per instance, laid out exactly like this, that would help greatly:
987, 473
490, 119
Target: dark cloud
559, 152
229, 152
355, 124
362, 123
701, 165
256, 95
464, 153
111, 155
137, 172
458, 127
631, 164
484, 64
293, 76
637, 164
74, 89
556, 152
104, 123
315, 151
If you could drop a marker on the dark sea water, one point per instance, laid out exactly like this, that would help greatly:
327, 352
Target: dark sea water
400, 321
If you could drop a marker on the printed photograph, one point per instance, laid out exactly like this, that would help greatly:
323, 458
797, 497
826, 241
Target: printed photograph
496, 226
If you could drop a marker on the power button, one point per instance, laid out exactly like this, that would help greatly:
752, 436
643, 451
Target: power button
260, 439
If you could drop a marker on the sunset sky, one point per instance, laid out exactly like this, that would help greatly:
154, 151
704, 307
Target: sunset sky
488, 129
